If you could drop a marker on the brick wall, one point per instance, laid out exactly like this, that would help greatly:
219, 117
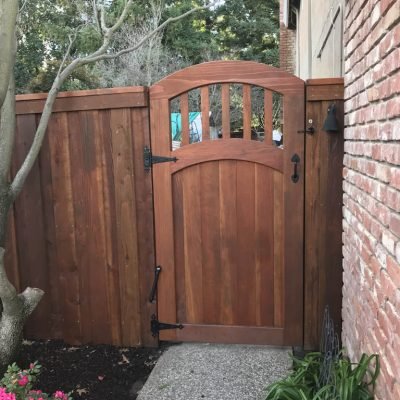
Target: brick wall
287, 49
287, 46
371, 304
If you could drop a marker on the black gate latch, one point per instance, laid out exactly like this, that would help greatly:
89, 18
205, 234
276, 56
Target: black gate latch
157, 326
155, 283
149, 159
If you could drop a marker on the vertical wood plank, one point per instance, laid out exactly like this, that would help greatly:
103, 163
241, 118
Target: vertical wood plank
210, 240
67, 263
54, 294
192, 245
247, 112
184, 99
205, 112
245, 299
293, 113
264, 244
323, 214
228, 239
80, 189
145, 221
226, 114
179, 248
120, 124
31, 246
278, 202
268, 123
110, 227
101, 331
160, 143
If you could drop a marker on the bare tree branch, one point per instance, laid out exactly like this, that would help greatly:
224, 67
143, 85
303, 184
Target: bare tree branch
103, 24
99, 54
96, 14
72, 39
102, 56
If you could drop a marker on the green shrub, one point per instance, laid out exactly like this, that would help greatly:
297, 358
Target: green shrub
345, 380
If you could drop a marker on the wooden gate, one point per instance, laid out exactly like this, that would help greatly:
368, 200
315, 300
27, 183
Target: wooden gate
229, 211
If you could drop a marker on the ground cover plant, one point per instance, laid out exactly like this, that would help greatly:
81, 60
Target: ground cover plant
345, 380
328, 374
17, 384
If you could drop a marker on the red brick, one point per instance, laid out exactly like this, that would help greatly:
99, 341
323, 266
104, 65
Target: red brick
394, 224
393, 270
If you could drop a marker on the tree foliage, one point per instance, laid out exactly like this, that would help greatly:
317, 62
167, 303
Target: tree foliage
44, 28
239, 29
248, 30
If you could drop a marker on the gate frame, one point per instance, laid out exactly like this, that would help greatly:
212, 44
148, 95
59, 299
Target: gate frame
242, 72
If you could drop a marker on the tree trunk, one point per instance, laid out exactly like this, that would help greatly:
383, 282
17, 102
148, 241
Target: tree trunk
16, 309
5, 205
11, 329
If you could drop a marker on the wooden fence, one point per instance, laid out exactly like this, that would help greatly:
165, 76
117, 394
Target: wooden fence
82, 228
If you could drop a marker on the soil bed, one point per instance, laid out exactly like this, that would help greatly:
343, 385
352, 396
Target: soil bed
98, 372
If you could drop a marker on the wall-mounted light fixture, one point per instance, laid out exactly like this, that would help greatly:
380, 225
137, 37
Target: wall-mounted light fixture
330, 123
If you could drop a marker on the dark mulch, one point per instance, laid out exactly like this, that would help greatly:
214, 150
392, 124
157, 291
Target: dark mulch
98, 372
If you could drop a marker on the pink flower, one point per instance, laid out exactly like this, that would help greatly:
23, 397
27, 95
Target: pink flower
31, 365
6, 396
23, 381
60, 395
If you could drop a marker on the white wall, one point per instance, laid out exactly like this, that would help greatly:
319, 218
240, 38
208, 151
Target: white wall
314, 58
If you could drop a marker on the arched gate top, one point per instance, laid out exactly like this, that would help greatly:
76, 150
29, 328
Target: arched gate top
247, 72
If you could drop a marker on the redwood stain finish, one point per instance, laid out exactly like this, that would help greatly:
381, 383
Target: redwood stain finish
82, 227
323, 210
228, 218
225, 221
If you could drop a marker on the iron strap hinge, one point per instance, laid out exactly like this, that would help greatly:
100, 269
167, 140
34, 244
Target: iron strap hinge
149, 159
157, 326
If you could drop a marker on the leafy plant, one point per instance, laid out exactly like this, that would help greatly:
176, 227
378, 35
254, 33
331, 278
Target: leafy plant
347, 380
18, 384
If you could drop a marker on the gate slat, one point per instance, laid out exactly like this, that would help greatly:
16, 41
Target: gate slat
228, 237
247, 112
205, 113
226, 118
278, 248
264, 245
245, 300
268, 115
185, 118
210, 240
192, 245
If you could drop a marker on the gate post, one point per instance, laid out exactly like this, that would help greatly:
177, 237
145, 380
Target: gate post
323, 209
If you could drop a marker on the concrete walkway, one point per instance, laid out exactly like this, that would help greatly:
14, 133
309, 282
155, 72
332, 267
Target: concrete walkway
215, 372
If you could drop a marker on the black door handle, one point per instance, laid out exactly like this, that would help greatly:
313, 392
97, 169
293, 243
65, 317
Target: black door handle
295, 160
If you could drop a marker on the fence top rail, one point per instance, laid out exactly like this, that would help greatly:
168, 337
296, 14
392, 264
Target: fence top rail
83, 93
324, 81
327, 89
81, 100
